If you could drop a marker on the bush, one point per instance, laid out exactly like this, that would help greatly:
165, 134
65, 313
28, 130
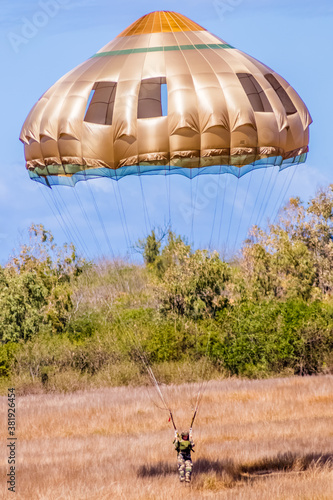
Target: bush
83, 327
7, 355
273, 337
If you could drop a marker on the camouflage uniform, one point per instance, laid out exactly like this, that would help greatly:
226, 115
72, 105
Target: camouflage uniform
184, 462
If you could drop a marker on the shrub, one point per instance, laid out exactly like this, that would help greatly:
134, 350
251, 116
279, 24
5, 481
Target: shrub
7, 355
271, 337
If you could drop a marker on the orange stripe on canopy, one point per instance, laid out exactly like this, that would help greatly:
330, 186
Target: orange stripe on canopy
161, 22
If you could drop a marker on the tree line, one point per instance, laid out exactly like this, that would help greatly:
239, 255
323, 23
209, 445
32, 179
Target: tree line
268, 311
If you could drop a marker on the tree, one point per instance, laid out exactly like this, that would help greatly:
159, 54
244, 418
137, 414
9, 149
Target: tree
193, 283
150, 247
36, 286
294, 257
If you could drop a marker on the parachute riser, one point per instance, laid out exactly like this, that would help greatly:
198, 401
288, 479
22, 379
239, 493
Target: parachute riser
172, 420
193, 418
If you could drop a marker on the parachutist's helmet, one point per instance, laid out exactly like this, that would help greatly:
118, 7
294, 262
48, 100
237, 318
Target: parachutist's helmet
185, 434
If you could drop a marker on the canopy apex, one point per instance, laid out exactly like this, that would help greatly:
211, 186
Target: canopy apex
161, 22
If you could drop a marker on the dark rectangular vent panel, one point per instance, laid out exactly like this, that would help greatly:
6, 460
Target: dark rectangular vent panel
100, 107
254, 92
282, 94
150, 98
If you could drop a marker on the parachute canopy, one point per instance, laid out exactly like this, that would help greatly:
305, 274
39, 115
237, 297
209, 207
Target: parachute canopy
165, 96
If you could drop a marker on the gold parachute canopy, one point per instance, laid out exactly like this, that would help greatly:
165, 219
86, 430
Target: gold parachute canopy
165, 96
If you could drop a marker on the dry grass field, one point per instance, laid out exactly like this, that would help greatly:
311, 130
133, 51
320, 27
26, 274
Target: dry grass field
265, 439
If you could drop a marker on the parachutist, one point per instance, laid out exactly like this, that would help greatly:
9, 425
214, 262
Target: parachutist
184, 445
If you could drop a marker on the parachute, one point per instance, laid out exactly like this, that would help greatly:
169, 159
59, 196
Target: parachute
226, 111
166, 96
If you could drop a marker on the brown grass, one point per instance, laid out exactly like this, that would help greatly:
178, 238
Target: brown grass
268, 439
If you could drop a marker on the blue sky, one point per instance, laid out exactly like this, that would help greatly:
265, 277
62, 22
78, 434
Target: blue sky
293, 37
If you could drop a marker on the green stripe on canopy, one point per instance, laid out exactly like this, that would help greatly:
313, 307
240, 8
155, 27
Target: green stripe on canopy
166, 48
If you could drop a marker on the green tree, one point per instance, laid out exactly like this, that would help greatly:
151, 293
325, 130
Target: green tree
36, 286
294, 257
151, 248
193, 283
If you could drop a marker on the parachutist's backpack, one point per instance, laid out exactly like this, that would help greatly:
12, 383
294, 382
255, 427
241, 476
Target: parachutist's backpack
184, 447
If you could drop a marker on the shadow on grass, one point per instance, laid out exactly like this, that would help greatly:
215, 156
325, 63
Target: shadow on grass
286, 462
159, 469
